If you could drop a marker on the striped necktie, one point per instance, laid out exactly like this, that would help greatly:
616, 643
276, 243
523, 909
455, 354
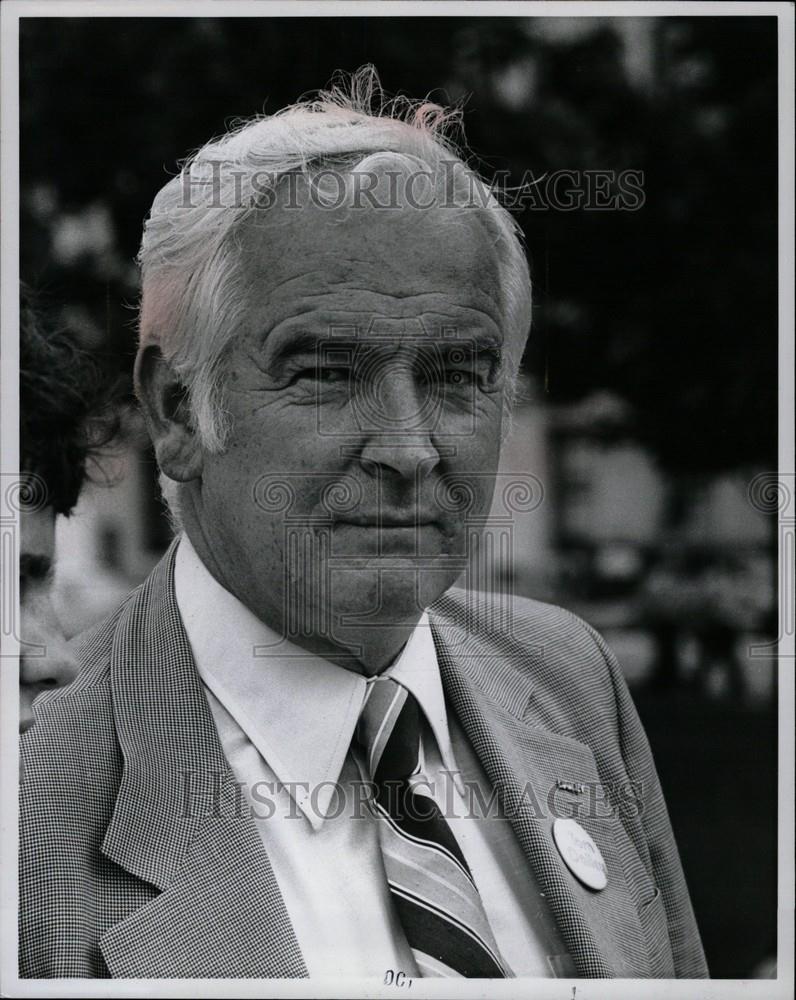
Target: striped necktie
432, 889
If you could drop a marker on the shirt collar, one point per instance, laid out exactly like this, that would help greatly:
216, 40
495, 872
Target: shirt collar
298, 709
417, 670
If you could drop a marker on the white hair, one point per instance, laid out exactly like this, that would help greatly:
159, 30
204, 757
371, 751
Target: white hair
192, 303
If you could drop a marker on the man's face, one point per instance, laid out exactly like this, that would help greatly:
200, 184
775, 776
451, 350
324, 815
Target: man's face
46, 661
365, 393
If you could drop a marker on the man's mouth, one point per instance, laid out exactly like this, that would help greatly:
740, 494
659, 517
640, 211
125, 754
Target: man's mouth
387, 522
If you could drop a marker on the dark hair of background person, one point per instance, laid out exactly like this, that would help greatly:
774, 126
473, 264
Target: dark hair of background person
68, 410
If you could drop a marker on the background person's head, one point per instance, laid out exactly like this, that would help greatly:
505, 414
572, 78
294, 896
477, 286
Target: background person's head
66, 415
334, 308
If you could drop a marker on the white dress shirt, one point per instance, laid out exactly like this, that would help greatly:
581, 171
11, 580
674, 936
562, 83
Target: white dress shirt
286, 719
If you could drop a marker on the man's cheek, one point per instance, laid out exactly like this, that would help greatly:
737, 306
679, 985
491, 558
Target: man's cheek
474, 434
272, 541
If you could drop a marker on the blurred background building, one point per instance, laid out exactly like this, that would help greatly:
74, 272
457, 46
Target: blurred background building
649, 395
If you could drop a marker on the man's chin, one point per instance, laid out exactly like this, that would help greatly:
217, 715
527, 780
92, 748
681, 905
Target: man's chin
390, 590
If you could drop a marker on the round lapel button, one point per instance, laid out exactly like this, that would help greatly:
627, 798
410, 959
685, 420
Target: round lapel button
581, 855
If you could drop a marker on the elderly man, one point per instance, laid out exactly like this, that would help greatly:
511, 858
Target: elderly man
295, 750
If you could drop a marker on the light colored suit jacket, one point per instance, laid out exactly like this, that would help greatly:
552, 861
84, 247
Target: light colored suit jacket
119, 878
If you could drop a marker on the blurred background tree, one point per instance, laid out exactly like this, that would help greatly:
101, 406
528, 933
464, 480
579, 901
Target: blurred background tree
672, 306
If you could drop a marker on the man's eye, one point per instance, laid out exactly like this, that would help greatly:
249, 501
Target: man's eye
454, 378
323, 375
459, 377
333, 374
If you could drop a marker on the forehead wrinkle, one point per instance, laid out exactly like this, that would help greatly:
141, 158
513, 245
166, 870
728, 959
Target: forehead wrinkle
340, 290
330, 315
276, 239
286, 342
305, 267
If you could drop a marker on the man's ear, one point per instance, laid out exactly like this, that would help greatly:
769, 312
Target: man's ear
164, 399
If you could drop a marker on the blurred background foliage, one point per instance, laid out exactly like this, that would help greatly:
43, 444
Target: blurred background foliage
672, 306
652, 362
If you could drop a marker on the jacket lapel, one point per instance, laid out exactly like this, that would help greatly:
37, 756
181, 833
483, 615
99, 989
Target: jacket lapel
525, 762
179, 822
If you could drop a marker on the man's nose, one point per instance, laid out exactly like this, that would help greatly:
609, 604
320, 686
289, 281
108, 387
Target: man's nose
397, 414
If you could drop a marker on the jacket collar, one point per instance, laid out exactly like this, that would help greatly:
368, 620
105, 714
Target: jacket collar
177, 816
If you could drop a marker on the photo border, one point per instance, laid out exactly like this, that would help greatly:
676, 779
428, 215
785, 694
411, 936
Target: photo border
720, 989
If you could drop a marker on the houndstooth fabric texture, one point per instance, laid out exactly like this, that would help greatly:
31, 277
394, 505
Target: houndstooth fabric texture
128, 868
544, 701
